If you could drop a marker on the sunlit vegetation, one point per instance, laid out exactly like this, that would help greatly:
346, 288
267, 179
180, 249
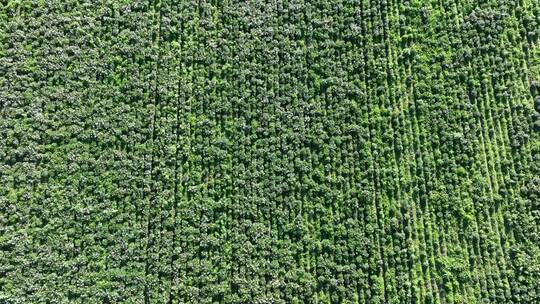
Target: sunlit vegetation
217, 151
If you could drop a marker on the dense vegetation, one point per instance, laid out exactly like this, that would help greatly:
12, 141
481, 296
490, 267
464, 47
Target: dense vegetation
321, 151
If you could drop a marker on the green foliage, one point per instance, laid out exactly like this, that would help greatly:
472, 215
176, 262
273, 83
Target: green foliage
269, 151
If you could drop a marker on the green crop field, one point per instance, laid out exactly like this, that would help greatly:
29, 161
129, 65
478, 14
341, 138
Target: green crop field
270, 151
